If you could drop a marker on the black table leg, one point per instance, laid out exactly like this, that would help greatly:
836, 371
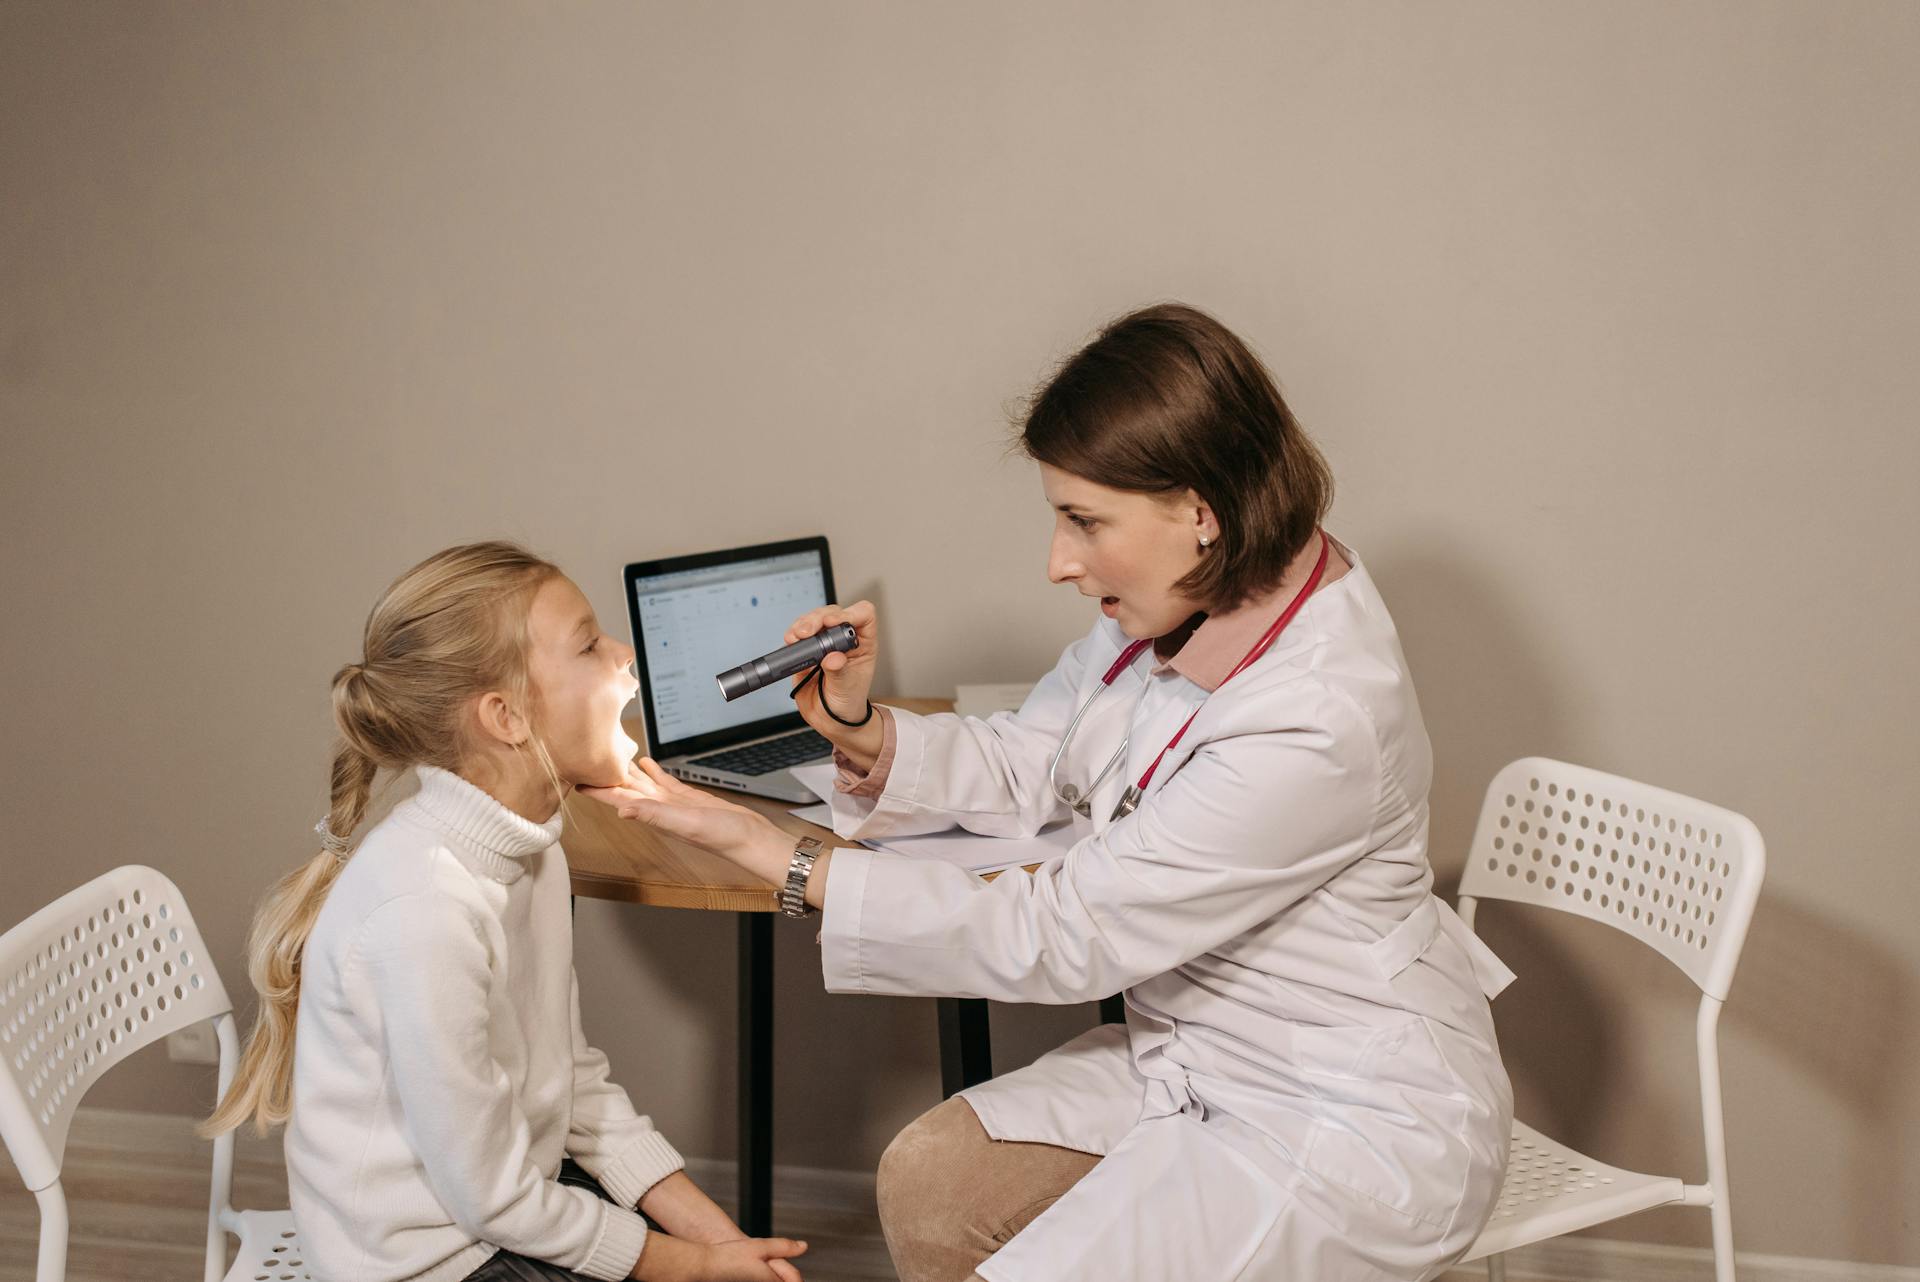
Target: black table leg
756, 1074
966, 1048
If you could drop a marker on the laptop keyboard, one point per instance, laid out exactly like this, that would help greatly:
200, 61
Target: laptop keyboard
769, 755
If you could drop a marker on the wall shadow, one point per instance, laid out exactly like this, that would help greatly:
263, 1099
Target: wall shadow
1840, 1008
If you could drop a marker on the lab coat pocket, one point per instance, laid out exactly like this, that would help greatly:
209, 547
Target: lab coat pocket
1083, 1095
1173, 1200
1391, 1124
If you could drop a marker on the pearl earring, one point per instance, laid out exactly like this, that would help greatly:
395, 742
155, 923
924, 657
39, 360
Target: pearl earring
1205, 542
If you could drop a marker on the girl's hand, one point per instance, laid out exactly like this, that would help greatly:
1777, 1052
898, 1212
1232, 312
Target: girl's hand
665, 1258
848, 677
753, 1259
781, 1269
694, 815
683, 1209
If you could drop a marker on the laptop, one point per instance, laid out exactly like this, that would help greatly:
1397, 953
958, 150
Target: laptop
693, 617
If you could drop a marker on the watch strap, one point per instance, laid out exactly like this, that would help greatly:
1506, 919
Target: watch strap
793, 895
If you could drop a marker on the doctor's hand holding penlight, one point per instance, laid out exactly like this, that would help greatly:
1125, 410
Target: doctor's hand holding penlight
842, 642
845, 683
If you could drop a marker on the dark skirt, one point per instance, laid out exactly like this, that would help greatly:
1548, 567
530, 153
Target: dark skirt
505, 1266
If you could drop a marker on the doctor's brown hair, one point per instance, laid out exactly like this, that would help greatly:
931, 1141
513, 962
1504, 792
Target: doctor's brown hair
1167, 399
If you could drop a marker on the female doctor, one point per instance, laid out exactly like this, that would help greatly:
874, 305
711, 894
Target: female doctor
1307, 1084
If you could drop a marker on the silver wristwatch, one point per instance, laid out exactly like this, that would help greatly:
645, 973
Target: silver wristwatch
793, 895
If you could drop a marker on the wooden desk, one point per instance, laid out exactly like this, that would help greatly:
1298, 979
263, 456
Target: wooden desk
617, 859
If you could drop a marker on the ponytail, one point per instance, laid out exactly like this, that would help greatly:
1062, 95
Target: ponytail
263, 1086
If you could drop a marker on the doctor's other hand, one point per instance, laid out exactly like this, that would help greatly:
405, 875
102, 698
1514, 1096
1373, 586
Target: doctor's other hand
734, 832
848, 677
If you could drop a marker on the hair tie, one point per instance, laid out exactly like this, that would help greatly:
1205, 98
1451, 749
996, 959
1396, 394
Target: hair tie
335, 846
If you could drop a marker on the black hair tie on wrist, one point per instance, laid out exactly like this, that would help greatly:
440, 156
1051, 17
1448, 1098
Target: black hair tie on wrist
815, 675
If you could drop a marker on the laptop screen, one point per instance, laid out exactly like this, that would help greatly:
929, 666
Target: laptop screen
697, 615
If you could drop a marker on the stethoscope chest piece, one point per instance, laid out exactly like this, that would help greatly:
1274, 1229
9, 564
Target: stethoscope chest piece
1081, 803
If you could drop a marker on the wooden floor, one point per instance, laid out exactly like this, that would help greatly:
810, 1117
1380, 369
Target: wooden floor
137, 1187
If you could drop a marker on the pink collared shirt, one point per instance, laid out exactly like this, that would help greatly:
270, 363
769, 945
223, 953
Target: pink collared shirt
871, 784
1222, 640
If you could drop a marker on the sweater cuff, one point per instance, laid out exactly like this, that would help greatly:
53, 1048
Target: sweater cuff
623, 1235
638, 1167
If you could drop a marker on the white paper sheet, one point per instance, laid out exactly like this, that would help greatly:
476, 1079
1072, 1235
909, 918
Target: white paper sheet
985, 700
818, 813
964, 849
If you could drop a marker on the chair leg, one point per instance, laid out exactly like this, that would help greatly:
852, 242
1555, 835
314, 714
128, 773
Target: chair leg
1722, 1236
1714, 1125
53, 1234
1496, 1268
220, 1202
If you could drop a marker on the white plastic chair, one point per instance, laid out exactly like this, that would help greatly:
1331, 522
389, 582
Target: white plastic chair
1678, 875
94, 976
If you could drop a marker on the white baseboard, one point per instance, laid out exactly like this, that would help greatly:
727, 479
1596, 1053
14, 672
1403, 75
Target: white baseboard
1567, 1259
1608, 1259
1590, 1259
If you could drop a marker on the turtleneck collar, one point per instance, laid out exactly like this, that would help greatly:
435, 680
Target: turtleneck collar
494, 839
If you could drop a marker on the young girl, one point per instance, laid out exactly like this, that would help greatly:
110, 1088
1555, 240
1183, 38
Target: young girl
419, 1023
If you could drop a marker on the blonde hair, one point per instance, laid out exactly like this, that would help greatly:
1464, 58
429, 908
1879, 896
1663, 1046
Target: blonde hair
451, 628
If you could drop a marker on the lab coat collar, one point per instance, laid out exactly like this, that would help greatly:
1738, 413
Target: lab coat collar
1222, 640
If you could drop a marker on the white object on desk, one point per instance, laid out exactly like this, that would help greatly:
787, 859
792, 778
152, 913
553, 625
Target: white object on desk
985, 700
818, 813
964, 849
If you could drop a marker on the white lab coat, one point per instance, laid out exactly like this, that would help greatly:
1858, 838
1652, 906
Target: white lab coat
1307, 1085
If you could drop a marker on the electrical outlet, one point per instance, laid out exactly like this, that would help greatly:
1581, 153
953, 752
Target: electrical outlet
195, 1044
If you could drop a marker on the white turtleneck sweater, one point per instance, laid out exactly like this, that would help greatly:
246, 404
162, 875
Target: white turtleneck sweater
440, 1073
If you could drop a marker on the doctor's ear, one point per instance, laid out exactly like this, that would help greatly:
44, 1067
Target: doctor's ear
1206, 527
499, 720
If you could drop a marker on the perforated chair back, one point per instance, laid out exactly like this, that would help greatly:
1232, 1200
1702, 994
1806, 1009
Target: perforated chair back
1680, 875
85, 982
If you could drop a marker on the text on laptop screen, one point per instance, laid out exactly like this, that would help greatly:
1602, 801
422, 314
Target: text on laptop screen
698, 622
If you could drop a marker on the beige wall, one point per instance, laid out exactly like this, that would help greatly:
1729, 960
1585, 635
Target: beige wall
1605, 314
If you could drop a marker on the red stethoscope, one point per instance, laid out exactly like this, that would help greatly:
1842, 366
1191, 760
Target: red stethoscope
1082, 802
